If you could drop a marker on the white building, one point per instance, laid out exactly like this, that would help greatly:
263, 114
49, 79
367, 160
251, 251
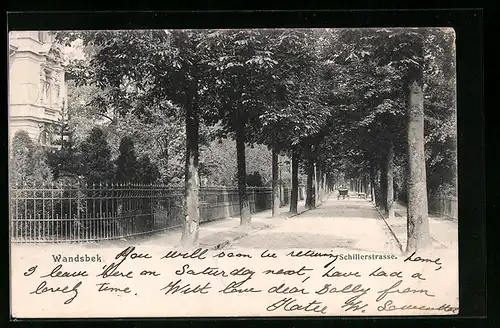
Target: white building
37, 91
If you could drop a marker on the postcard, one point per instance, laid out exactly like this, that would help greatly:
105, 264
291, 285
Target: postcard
233, 173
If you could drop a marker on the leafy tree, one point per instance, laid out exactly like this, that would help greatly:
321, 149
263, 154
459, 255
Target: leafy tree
295, 110
241, 66
381, 71
255, 180
147, 172
138, 70
126, 163
96, 165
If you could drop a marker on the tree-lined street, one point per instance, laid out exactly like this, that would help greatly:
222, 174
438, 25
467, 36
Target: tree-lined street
371, 110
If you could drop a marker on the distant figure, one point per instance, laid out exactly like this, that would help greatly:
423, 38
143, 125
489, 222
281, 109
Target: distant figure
343, 192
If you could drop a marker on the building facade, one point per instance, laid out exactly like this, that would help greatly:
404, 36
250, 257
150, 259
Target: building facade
37, 91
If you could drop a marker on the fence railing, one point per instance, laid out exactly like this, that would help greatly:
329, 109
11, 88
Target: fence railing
65, 213
448, 208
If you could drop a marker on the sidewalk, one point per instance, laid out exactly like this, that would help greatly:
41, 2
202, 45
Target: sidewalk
444, 233
340, 225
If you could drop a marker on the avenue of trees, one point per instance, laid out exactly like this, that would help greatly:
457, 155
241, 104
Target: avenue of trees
375, 105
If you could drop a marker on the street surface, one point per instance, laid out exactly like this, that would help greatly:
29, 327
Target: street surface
345, 225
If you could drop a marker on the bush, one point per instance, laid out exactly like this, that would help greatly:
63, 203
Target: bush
28, 162
147, 171
126, 163
96, 164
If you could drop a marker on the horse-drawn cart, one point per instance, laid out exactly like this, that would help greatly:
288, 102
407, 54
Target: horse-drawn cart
343, 193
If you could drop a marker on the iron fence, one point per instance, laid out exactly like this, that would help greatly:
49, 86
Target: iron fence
65, 213
445, 207
448, 208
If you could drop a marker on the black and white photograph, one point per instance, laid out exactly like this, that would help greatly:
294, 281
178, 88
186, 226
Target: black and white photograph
233, 172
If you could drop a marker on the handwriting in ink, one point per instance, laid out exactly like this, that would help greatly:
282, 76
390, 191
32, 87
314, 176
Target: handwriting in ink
42, 289
30, 271
198, 254
284, 289
290, 304
348, 289
243, 272
389, 306
381, 273
231, 254
207, 271
299, 272
311, 253
418, 275
411, 258
130, 251
149, 273
112, 271
328, 288
350, 305
332, 273
236, 287
266, 254
383, 293
105, 287
178, 287
58, 273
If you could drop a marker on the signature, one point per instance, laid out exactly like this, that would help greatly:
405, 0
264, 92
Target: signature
389, 306
290, 304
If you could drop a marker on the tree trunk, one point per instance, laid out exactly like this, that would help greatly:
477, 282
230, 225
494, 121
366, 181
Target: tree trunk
376, 187
316, 186
191, 223
242, 174
323, 185
294, 196
383, 188
372, 183
275, 186
390, 182
418, 219
310, 195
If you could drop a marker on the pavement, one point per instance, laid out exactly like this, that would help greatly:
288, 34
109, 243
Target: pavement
444, 232
339, 225
351, 224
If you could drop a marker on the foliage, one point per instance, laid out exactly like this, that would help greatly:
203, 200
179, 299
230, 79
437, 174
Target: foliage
297, 110
369, 90
218, 162
147, 172
126, 163
342, 89
96, 163
28, 163
255, 180
64, 160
